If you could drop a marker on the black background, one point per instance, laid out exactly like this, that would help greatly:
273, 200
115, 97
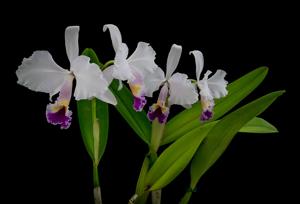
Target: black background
43, 164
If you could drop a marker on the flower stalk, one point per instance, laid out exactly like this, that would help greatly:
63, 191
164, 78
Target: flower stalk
157, 135
97, 189
107, 64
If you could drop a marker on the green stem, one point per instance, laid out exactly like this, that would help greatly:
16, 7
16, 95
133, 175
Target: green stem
108, 63
96, 133
97, 189
156, 137
157, 134
95, 176
156, 196
141, 195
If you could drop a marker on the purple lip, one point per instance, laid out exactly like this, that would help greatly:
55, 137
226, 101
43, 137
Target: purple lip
157, 113
206, 115
62, 117
139, 103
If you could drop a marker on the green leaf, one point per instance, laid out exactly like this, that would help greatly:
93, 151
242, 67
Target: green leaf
94, 140
93, 120
93, 56
222, 133
175, 158
258, 125
237, 91
140, 190
138, 121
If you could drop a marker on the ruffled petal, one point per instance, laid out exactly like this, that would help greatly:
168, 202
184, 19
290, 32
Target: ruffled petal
115, 35
142, 60
71, 41
217, 84
199, 60
139, 103
182, 91
62, 117
153, 81
173, 59
90, 81
161, 113
122, 69
39, 72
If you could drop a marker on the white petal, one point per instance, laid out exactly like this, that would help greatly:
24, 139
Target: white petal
217, 84
71, 41
153, 81
173, 59
142, 60
205, 91
115, 35
90, 81
182, 91
122, 70
121, 54
108, 73
39, 72
199, 60
108, 97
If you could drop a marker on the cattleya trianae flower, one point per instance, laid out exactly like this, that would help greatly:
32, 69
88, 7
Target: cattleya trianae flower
40, 73
210, 88
133, 69
176, 88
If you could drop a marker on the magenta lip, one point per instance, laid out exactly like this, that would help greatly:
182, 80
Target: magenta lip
157, 113
206, 115
61, 117
139, 103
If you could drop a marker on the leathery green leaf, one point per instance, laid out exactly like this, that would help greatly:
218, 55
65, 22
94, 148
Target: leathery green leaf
222, 133
175, 158
94, 129
138, 121
237, 91
93, 120
258, 125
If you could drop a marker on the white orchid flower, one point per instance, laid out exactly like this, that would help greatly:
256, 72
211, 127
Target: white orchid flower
40, 73
133, 69
210, 88
176, 88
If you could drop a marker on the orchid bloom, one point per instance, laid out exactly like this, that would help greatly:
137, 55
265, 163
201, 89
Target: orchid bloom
133, 69
210, 88
176, 88
40, 73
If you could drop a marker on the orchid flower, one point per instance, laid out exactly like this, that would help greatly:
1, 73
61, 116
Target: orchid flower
210, 88
176, 88
40, 73
133, 69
